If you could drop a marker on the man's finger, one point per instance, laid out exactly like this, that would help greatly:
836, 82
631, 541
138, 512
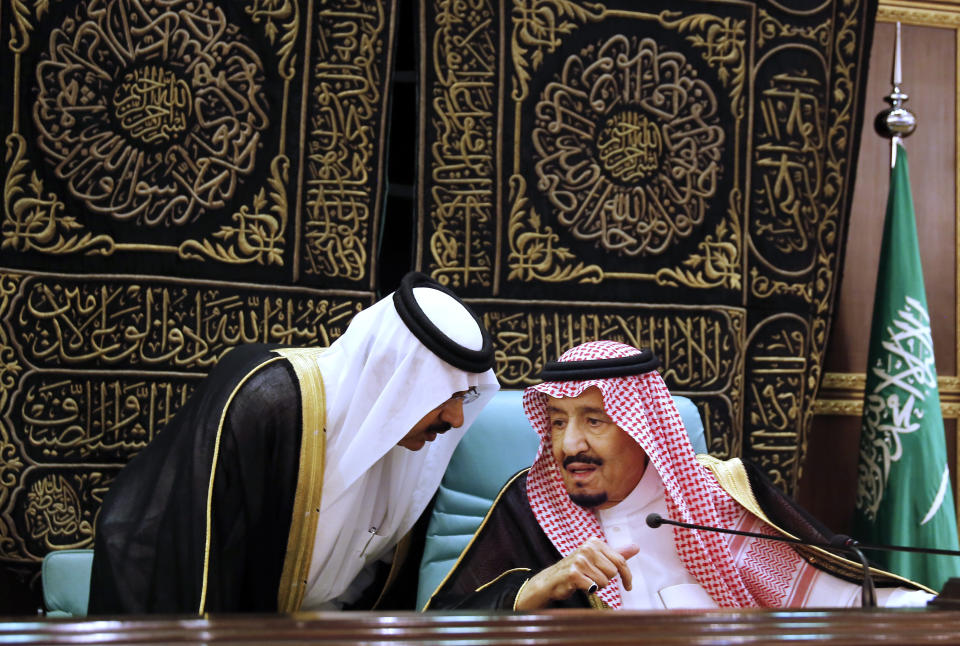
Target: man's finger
597, 570
601, 566
587, 582
618, 559
607, 561
627, 552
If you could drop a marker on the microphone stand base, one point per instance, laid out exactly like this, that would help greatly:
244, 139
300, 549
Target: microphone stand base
949, 597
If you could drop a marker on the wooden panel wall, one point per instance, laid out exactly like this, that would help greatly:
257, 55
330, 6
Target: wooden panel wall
930, 33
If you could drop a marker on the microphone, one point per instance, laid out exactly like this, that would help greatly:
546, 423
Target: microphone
845, 541
868, 593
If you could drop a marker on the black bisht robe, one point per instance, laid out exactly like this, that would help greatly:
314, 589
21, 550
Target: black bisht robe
507, 549
510, 547
149, 549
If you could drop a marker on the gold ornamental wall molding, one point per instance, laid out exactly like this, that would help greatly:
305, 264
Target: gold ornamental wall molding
841, 393
930, 14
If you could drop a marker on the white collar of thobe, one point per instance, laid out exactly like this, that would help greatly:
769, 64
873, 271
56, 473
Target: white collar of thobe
647, 492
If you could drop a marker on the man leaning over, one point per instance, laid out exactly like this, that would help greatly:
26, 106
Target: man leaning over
290, 476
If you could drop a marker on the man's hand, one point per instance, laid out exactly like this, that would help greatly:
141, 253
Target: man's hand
592, 562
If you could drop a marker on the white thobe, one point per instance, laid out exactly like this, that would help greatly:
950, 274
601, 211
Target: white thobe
661, 581
659, 578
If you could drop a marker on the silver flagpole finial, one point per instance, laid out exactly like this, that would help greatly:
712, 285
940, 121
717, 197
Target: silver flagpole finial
895, 122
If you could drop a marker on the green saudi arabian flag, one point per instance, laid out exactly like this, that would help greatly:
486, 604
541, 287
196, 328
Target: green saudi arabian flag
903, 492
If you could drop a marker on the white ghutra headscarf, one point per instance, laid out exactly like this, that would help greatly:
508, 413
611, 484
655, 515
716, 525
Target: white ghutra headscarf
380, 379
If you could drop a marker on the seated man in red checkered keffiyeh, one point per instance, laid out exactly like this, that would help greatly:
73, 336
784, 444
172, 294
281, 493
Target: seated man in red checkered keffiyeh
571, 531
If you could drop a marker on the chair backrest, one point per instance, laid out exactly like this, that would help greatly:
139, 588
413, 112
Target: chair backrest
65, 575
499, 444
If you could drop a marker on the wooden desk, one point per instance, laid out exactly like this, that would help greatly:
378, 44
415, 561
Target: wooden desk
909, 626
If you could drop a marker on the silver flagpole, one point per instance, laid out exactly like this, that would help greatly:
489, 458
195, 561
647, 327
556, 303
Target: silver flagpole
896, 122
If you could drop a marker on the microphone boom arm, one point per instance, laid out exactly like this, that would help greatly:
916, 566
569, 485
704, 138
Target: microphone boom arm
655, 520
868, 594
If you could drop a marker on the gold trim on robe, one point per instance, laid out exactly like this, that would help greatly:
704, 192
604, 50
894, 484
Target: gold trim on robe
503, 574
306, 502
474, 537
732, 478
213, 471
400, 553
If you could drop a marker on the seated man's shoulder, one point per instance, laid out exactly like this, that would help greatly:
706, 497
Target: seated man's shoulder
515, 487
512, 498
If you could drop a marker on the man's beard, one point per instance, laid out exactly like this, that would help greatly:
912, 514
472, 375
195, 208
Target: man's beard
586, 500
439, 428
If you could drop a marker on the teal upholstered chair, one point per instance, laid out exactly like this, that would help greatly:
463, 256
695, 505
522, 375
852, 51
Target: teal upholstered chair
65, 575
499, 444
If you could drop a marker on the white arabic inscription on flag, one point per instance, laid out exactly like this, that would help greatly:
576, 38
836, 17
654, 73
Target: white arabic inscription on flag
905, 374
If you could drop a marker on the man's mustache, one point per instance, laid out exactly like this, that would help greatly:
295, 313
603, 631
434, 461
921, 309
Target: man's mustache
439, 428
582, 458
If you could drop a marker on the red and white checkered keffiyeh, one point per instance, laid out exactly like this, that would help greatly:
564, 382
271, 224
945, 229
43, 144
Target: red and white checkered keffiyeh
642, 406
